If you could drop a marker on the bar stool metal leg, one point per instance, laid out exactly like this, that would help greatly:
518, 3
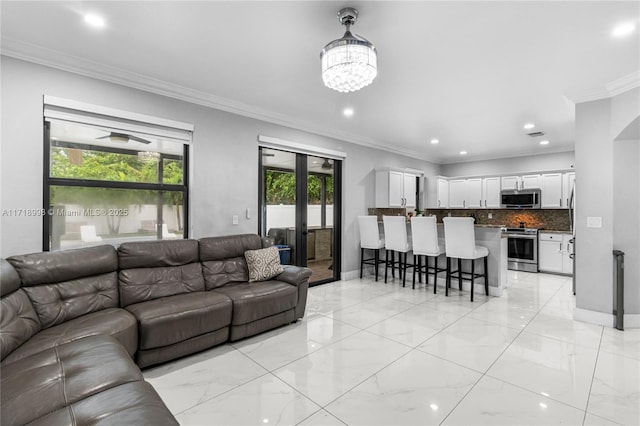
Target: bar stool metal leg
473, 276
486, 275
459, 274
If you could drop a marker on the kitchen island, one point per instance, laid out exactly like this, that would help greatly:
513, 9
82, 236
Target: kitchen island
489, 236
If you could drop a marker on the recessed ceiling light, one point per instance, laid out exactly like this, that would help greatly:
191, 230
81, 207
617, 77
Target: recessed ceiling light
435, 141
544, 142
348, 112
623, 29
94, 20
529, 126
463, 152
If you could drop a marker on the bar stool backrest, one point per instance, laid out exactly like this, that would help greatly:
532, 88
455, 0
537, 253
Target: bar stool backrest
459, 237
424, 236
370, 232
395, 233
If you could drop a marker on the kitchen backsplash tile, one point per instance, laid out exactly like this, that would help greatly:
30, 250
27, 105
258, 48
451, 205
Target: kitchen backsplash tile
552, 219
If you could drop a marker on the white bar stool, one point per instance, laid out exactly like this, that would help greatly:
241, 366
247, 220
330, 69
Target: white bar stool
460, 243
424, 235
396, 240
370, 240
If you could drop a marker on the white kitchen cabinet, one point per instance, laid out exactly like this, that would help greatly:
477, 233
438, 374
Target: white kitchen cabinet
510, 182
395, 189
553, 253
568, 181
551, 190
465, 193
531, 181
457, 193
409, 187
437, 192
491, 192
521, 182
473, 199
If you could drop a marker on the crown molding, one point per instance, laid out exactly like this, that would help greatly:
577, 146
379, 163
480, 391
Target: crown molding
74, 64
527, 153
613, 88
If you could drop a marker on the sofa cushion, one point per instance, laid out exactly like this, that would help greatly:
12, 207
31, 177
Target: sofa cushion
223, 260
144, 284
18, 322
174, 319
9, 278
135, 403
64, 265
52, 379
66, 284
115, 322
152, 254
61, 302
263, 264
254, 301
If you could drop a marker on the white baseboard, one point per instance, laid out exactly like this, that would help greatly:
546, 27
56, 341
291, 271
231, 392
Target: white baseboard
631, 320
594, 317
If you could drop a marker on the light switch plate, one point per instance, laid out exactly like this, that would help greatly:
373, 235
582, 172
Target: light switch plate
234, 219
594, 222
490, 215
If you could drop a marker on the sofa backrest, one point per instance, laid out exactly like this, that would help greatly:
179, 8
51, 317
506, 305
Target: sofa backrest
154, 269
223, 259
18, 319
63, 285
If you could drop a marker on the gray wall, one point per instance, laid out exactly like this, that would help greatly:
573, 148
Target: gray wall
597, 125
626, 211
529, 163
224, 161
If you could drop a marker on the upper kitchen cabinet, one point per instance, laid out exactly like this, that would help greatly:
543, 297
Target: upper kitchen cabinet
521, 182
437, 193
556, 189
568, 182
395, 189
465, 193
491, 192
551, 190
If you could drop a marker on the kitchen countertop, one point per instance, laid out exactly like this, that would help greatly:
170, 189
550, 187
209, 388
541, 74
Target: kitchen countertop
553, 231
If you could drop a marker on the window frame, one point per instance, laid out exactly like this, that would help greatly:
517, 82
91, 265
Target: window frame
160, 187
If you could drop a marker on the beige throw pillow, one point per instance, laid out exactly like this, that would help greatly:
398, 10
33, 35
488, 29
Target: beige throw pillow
263, 264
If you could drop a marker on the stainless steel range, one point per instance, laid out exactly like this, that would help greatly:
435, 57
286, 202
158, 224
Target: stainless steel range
522, 246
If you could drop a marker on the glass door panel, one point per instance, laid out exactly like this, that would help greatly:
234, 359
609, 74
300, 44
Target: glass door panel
278, 219
299, 209
320, 213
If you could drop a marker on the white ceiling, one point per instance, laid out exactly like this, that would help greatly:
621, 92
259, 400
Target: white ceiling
467, 73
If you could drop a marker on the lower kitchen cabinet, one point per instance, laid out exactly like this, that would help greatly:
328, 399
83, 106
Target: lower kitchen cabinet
553, 253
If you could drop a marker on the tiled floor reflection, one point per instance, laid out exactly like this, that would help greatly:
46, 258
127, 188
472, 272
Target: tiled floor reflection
367, 353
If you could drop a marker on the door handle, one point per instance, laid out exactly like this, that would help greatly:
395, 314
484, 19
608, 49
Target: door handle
438, 203
560, 249
560, 202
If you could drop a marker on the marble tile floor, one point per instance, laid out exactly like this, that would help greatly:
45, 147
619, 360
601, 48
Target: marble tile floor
369, 353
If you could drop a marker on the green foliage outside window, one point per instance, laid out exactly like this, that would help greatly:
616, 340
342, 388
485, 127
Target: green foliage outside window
112, 167
281, 188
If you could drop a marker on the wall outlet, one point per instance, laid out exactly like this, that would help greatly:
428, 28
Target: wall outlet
449, 214
234, 219
490, 215
594, 222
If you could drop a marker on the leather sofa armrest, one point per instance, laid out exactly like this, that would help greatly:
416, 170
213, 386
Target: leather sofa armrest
294, 275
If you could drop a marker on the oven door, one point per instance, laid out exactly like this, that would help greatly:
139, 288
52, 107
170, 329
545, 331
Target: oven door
523, 252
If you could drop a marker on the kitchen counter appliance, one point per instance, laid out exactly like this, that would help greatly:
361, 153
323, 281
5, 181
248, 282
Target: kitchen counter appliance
520, 198
522, 248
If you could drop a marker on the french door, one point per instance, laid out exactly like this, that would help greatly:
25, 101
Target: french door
300, 210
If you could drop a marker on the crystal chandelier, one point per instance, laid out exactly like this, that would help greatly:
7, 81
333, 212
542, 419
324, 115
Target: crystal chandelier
348, 63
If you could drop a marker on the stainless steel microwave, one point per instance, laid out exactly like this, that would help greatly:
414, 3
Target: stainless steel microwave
520, 198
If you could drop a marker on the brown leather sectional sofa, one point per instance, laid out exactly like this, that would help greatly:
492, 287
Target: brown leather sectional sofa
71, 321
